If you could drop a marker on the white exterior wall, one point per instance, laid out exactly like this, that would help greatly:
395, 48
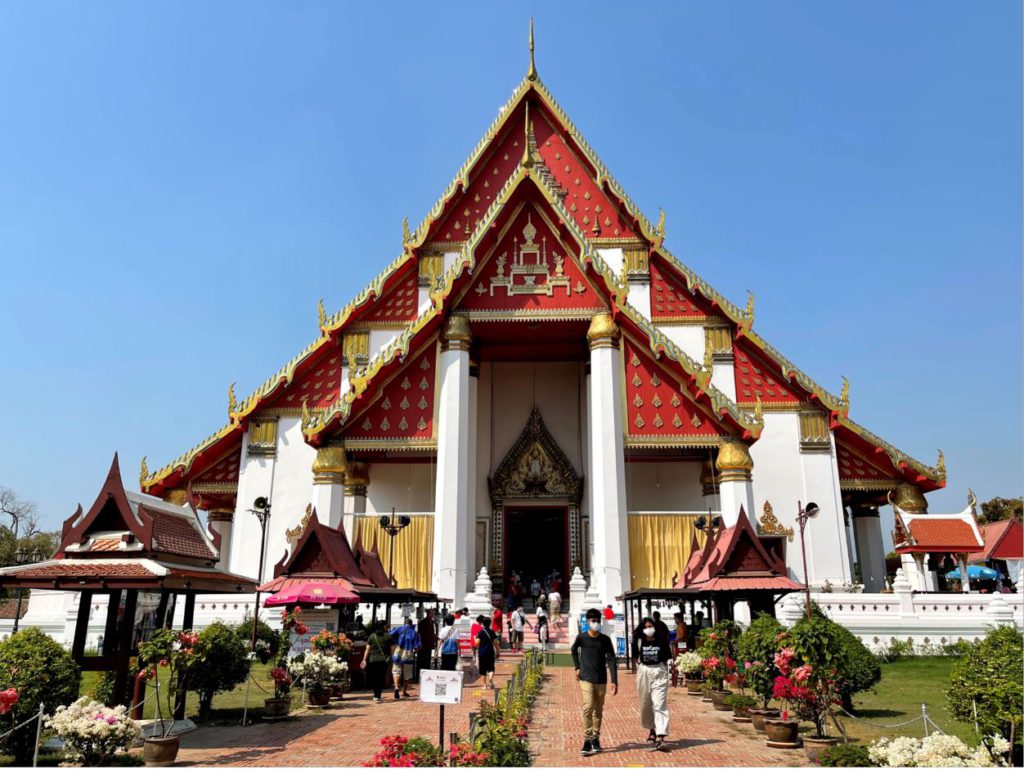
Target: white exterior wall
379, 339
778, 479
255, 478
669, 486
689, 339
293, 489
407, 487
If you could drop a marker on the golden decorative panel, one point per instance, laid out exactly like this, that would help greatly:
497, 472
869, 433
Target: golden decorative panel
355, 348
814, 431
262, 438
718, 339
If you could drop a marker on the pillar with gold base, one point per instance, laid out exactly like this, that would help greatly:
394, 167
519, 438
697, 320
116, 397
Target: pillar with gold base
329, 483
606, 473
450, 571
734, 467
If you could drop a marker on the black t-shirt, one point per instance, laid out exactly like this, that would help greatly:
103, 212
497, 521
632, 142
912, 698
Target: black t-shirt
485, 642
653, 651
594, 656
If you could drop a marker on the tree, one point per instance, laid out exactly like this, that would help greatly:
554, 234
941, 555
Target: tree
985, 685
1001, 508
224, 664
19, 530
21, 512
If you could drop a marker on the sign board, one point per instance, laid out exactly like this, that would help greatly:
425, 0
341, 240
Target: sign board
300, 643
441, 687
465, 645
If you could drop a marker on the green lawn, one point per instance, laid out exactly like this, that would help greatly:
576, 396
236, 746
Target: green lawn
906, 684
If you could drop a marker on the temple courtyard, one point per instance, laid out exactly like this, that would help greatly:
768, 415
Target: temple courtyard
349, 733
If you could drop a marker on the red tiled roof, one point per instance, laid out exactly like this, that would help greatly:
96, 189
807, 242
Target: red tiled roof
105, 545
177, 535
281, 583
1003, 540
83, 568
943, 534
750, 583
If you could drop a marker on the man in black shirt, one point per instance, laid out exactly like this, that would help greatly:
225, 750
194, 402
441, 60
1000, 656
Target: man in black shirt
593, 656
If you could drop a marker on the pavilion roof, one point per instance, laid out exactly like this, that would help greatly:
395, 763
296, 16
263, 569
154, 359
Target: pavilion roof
122, 572
937, 532
322, 551
1004, 540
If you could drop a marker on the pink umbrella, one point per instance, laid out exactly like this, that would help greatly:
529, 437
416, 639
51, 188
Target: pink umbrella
329, 591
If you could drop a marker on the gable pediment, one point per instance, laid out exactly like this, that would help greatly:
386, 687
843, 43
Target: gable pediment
535, 467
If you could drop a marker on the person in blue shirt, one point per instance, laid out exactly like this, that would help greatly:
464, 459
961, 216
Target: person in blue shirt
407, 643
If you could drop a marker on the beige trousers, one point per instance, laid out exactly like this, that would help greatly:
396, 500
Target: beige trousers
652, 690
593, 708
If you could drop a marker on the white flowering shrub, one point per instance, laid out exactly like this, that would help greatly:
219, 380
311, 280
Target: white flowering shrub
91, 732
937, 750
316, 670
688, 662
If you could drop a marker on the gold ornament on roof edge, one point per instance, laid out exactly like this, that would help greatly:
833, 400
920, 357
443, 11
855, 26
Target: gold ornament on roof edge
844, 394
749, 310
940, 465
769, 524
232, 401
406, 235
297, 531
143, 472
321, 313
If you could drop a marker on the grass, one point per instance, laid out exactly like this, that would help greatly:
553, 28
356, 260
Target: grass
905, 684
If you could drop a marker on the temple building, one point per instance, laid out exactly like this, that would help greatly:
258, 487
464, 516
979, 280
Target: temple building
539, 384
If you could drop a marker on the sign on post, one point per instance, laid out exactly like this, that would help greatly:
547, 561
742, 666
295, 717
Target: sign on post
441, 687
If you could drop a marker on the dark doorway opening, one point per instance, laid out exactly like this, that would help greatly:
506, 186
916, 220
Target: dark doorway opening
537, 543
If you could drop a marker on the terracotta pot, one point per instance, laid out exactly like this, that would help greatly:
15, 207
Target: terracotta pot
741, 713
814, 745
160, 751
338, 692
758, 715
781, 734
319, 698
718, 699
693, 687
276, 707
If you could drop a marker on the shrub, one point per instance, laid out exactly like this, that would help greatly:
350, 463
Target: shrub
223, 664
935, 750
43, 673
92, 733
989, 676
756, 649
845, 755
397, 750
718, 645
860, 669
268, 640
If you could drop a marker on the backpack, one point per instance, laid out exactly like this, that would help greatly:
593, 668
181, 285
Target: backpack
451, 643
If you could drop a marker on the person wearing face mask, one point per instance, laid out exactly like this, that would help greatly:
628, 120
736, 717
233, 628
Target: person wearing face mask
593, 656
652, 680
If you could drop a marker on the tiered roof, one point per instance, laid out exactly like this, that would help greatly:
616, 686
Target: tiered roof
534, 143
937, 532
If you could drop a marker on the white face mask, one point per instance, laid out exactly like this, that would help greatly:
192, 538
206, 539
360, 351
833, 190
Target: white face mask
648, 631
594, 624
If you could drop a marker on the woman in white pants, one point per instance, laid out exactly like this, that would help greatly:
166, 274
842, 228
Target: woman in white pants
652, 682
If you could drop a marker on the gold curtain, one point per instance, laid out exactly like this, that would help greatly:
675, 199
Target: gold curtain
414, 548
659, 546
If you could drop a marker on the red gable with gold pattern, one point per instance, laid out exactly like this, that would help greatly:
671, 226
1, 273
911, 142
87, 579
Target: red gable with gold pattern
671, 300
405, 408
856, 472
530, 269
756, 377
319, 387
398, 306
658, 408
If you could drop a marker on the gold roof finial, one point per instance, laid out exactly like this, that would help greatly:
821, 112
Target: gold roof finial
758, 409
708, 359
527, 160
306, 416
143, 472
321, 313
661, 224
749, 311
844, 394
531, 74
941, 464
972, 501
232, 400
406, 235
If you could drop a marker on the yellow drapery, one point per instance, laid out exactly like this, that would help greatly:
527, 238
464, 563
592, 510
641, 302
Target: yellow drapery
414, 548
659, 546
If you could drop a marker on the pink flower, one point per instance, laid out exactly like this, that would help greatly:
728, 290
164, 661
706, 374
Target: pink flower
802, 673
714, 636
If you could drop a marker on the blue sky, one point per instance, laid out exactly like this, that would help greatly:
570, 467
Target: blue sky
180, 182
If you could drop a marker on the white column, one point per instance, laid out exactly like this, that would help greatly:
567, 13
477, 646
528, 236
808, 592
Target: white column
965, 579
734, 481
255, 479
329, 484
357, 478
867, 534
467, 533
607, 471
451, 502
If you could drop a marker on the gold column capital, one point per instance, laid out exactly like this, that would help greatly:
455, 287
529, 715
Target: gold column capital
357, 478
456, 334
734, 462
603, 332
175, 496
908, 497
330, 465
708, 479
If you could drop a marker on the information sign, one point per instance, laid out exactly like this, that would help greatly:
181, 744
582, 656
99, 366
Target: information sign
441, 687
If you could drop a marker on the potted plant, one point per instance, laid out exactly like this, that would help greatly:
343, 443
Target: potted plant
689, 664
337, 645
740, 704
278, 706
176, 652
317, 672
756, 649
819, 651
92, 733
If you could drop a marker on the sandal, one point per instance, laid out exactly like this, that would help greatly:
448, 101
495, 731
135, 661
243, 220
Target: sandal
652, 736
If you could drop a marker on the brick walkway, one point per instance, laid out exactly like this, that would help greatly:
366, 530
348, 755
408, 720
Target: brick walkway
348, 733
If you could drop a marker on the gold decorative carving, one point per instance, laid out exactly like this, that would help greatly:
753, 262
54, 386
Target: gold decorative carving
659, 233
638, 402
143, 472
636, 380
456, 334
844, 397
431, 269
639, 421
656, 401
530, 262
531, 73
603, 332
677, 422
658, 421
734, 462
719, 340
175, 496
769, 524
535, 466
635, 361
232, 400
940, 465
262, 437
321, 314
355, 348
329, 465
695, 421
908, 497
406, 235
297, 531
635, 261
814, 431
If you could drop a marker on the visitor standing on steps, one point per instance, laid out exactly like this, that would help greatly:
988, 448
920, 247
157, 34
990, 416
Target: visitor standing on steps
519, 622
555, 603
543, 634
652, 679
593, 656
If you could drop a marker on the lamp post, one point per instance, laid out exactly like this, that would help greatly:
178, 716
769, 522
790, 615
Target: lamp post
22, 557
392, 526
803, 515
261, 509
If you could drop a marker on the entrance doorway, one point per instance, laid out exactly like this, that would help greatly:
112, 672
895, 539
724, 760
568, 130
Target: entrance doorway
536, 544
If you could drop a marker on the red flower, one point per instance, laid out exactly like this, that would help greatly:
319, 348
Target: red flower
164, 662
8, 699
730, 663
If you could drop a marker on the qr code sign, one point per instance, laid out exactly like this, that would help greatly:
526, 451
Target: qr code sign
440, 688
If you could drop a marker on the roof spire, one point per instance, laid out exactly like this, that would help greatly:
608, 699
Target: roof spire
531, 74
527, 160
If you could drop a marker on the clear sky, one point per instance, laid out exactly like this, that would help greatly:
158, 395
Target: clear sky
180, 182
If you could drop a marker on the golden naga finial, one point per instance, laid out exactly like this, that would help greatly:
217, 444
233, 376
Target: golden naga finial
531, 73
660, 232
708, 360
406, 235
972, 501
232, 400
941, 464
749, 310
321, 313
143, 472
758, 409
844, 394
306, 415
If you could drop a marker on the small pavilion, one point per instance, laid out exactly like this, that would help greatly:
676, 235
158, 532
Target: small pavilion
142, 553
917, 535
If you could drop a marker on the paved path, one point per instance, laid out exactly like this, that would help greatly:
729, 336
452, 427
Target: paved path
348, 733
